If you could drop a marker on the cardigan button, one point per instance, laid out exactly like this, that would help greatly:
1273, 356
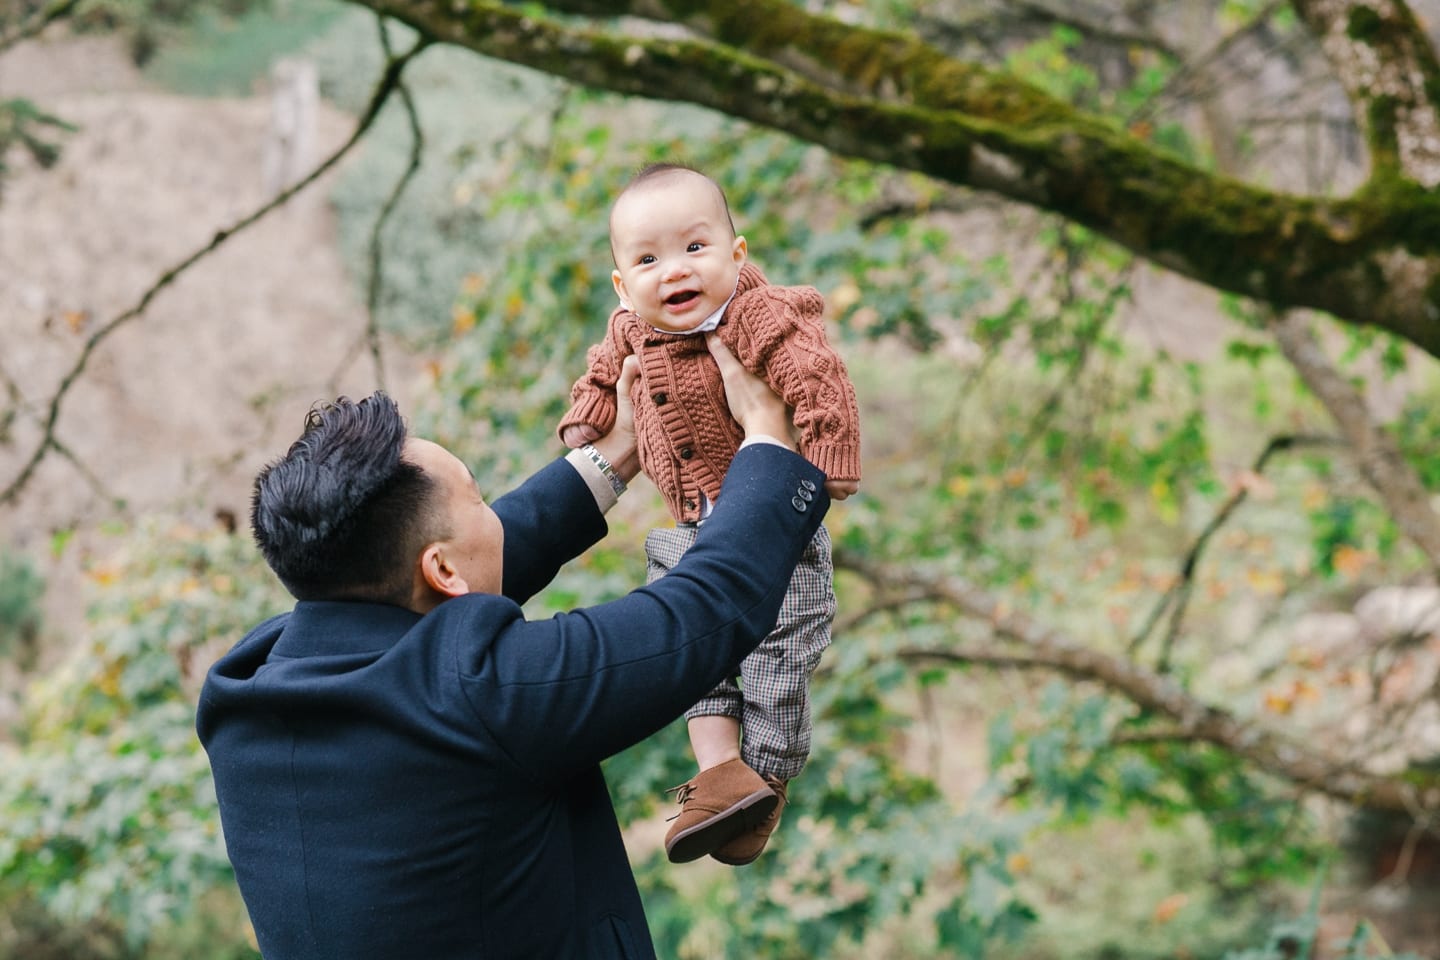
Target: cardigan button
686, 453
689, 504
659, 399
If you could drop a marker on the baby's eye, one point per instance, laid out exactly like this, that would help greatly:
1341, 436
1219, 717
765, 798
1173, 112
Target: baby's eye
694, 247
647, 258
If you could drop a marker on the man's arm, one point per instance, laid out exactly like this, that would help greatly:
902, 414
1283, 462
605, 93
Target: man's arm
551, 518
563, 694
560, 695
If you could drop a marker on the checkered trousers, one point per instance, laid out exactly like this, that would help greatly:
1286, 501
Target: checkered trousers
772, 696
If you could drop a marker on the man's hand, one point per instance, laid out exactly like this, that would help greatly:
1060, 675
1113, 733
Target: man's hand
618, 446
752, 403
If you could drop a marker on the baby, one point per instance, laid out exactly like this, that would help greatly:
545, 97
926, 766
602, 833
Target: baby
680, 272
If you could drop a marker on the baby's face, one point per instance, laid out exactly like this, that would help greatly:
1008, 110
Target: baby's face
677, 258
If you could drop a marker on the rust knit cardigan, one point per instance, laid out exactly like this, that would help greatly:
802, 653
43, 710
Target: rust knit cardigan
686, 436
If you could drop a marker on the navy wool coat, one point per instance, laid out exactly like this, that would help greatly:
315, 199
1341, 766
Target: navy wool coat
398, 786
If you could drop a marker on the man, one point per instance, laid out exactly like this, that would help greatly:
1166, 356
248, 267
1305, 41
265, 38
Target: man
406, 766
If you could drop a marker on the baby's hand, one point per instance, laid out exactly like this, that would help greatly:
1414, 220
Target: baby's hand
840, 489
577, 434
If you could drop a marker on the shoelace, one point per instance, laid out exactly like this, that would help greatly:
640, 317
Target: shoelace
682, 794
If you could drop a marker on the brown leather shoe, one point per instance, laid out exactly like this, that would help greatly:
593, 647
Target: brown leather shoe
747, 846
716, 806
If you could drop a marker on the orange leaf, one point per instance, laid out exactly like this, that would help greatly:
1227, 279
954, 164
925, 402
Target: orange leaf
461, 319
1166, 909
1265, 581
1279, 701
1349, 561
104, 575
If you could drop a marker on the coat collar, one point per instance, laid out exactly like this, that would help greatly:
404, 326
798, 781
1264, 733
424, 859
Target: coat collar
328, 628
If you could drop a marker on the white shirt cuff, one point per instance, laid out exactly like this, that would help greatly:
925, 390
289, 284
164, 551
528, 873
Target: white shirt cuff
762, 438
594, 478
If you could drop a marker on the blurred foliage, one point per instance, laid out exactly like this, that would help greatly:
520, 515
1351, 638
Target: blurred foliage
1301, 937
226, 49
24, 125
21, 590
107, 798
149, 26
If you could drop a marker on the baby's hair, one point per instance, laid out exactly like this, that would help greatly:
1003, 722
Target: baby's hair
656, 171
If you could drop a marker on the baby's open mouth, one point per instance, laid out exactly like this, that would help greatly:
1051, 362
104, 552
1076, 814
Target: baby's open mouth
684, 296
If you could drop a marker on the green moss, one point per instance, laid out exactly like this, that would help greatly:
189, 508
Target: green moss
1381, 112
1364, 25
1432, 291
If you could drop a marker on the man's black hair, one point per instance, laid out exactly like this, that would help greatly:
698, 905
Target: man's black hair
341, 516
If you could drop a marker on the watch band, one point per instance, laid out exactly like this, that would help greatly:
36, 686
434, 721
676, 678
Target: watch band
598, 458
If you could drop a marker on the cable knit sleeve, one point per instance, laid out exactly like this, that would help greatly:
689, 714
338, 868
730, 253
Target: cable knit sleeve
779, 333
592, 398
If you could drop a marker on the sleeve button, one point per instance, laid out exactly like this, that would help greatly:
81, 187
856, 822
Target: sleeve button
808, 485
799, 504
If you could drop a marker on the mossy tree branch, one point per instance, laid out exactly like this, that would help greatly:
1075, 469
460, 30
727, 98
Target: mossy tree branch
1374, 450
1385, 62
1373, 258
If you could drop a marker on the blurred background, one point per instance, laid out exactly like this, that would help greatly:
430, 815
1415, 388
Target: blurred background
1135, 657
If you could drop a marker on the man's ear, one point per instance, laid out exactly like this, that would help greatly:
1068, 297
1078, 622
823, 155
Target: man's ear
438, 573
619, 283
739, 251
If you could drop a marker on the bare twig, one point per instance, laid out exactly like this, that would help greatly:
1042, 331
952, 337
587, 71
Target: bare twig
987, 26
1179, 592
371, 338
386, 85
96, 485
1376, 453
1183, 78
1086, 337
18, 405
887, 602
12, 409
950, 200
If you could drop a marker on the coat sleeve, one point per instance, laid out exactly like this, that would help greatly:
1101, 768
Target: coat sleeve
562, 694
592, 398
548, 520
779, 333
